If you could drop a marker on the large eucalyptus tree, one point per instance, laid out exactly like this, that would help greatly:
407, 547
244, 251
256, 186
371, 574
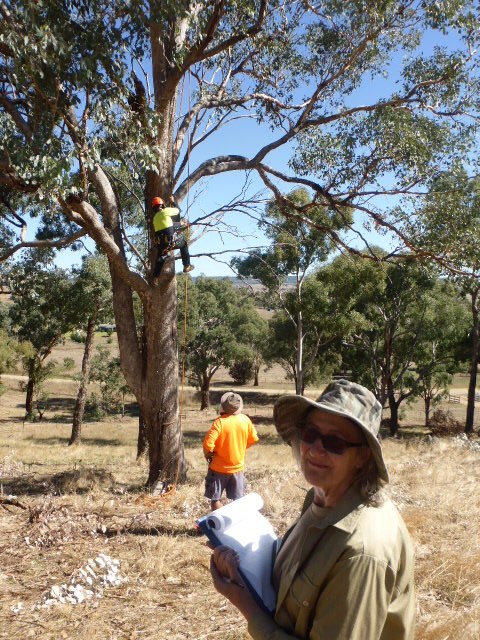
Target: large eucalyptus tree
93, 91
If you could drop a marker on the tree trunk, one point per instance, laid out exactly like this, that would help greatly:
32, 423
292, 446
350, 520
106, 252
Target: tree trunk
142, 437
427, 401
255, 376
393, 406
142, 442
29, 398
152, 374
472, 384
205, 393
79, 410
299, 384
158, 393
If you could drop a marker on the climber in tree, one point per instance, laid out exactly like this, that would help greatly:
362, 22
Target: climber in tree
166, 222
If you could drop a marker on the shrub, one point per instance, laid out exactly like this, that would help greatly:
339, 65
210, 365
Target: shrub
444, 423
78, 336
94, 409
241, 371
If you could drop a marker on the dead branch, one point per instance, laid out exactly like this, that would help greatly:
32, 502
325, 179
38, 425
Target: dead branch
13, 502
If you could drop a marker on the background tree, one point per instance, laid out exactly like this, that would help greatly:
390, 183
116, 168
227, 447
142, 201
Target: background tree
438, 354
323, 324
411, 325
253, 332
94, 293
44, 308
449, 226
216, 316
10, 352
106, 371
76, 105
296, 247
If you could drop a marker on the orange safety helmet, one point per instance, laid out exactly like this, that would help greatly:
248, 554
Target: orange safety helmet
157, 202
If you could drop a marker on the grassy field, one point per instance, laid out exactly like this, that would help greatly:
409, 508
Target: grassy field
72, 505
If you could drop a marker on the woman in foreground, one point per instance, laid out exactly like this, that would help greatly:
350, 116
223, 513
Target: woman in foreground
344, 570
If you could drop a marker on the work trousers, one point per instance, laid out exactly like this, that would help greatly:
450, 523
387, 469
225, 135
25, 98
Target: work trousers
166, 241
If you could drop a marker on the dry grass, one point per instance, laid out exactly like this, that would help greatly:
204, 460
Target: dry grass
88, 500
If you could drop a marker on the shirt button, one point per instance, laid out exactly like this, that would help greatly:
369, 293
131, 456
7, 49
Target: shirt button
305, 603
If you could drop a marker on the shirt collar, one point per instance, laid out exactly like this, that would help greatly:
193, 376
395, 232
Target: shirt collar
344, 515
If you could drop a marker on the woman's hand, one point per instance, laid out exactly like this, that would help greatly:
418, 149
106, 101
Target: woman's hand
228, 581
226, 561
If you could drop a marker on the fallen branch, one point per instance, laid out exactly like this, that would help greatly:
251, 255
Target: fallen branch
4, 500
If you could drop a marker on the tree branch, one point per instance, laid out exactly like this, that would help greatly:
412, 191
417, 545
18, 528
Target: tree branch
13, 112
83, 214
50, 244
200, 52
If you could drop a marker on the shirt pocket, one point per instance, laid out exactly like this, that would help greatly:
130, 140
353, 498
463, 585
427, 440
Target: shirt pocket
302, 600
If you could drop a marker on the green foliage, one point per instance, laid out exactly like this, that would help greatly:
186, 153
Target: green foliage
298, 231
398, 142
410, 324
305, 324
9, 352
241, 371
78, 336
71, 58
321, 326
4, 317
45, 304
222, 327
93, 288
448, 222
94, 408
38, 371
106, 371
68, 363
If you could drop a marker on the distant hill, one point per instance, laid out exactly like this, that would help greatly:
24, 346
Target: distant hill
255, 284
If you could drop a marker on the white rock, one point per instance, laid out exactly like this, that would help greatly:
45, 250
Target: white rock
56, 591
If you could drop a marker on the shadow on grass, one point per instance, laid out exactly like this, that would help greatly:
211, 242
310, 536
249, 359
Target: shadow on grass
28, 486
159, 530
96, 442
75, 481
405, 433
261, 420
11, 420
250, 397
193, 439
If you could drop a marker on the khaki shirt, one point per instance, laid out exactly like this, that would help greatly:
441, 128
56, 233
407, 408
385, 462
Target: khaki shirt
352, 579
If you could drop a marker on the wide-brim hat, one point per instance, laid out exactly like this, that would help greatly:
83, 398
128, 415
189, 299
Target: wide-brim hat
343, 398
231, 403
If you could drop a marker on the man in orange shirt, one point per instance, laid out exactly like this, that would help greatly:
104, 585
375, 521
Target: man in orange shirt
224, 448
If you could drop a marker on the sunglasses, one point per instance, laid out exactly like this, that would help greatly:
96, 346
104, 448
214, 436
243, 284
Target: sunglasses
332, 444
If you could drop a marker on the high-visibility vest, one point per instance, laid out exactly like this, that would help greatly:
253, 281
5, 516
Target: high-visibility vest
163, 218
